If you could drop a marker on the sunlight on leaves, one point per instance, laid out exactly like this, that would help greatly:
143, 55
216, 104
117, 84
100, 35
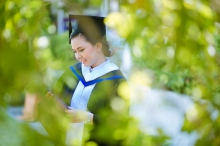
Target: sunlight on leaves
121, 22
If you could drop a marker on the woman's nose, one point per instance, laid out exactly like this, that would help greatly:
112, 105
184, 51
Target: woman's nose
78, 55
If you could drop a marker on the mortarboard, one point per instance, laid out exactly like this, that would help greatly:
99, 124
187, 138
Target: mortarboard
92, 26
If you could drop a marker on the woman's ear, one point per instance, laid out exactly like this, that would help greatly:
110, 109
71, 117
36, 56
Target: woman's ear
99, 46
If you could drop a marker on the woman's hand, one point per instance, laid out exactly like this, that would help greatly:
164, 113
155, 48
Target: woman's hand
77, 115
49, 95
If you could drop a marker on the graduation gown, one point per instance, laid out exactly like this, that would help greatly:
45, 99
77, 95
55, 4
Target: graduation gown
96, 91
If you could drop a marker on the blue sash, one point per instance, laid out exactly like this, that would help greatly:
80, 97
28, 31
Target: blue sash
95, 80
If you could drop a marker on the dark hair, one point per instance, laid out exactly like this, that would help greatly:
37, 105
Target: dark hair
93, 39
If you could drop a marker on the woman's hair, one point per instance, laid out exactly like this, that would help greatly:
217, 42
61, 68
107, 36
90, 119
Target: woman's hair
94, 39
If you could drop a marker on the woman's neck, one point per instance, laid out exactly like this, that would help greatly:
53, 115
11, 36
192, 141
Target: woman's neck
99, 61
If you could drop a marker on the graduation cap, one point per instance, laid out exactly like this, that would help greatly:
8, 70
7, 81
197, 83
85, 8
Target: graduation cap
92, 26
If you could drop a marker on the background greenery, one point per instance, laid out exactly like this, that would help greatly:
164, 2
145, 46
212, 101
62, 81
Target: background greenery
178, 41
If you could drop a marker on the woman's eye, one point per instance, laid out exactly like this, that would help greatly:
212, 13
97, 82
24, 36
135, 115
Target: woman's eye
78, 51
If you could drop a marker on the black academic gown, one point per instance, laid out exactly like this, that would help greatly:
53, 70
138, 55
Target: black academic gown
106, 120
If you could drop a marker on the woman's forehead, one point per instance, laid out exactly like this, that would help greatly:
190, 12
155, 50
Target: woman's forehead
78, 38
78, 42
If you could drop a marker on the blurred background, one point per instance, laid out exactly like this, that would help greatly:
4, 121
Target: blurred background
169, 51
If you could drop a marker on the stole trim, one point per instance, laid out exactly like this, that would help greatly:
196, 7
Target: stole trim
96, 80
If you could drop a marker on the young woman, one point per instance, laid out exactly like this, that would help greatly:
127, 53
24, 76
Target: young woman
95, 100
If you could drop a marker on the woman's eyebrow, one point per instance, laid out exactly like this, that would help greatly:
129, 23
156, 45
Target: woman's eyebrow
78, 48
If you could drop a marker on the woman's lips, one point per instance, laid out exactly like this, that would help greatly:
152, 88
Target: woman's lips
83, 62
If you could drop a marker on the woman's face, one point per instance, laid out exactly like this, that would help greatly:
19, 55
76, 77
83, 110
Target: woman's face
85, 52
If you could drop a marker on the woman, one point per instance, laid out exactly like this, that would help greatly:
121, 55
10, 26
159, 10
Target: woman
95, 98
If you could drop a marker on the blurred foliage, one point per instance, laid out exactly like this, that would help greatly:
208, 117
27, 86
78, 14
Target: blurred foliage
17, 133
179, 42
137, 137
25, 57
78, 6
19, 67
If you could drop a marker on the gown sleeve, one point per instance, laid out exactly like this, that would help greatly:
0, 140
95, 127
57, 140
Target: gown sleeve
103, 97
65, 86
107, 120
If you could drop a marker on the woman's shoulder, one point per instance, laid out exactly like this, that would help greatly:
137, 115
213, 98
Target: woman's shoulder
115, 73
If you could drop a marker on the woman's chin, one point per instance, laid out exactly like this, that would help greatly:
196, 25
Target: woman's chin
86, 65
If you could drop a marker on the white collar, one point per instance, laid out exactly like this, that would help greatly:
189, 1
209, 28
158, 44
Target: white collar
98, 71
